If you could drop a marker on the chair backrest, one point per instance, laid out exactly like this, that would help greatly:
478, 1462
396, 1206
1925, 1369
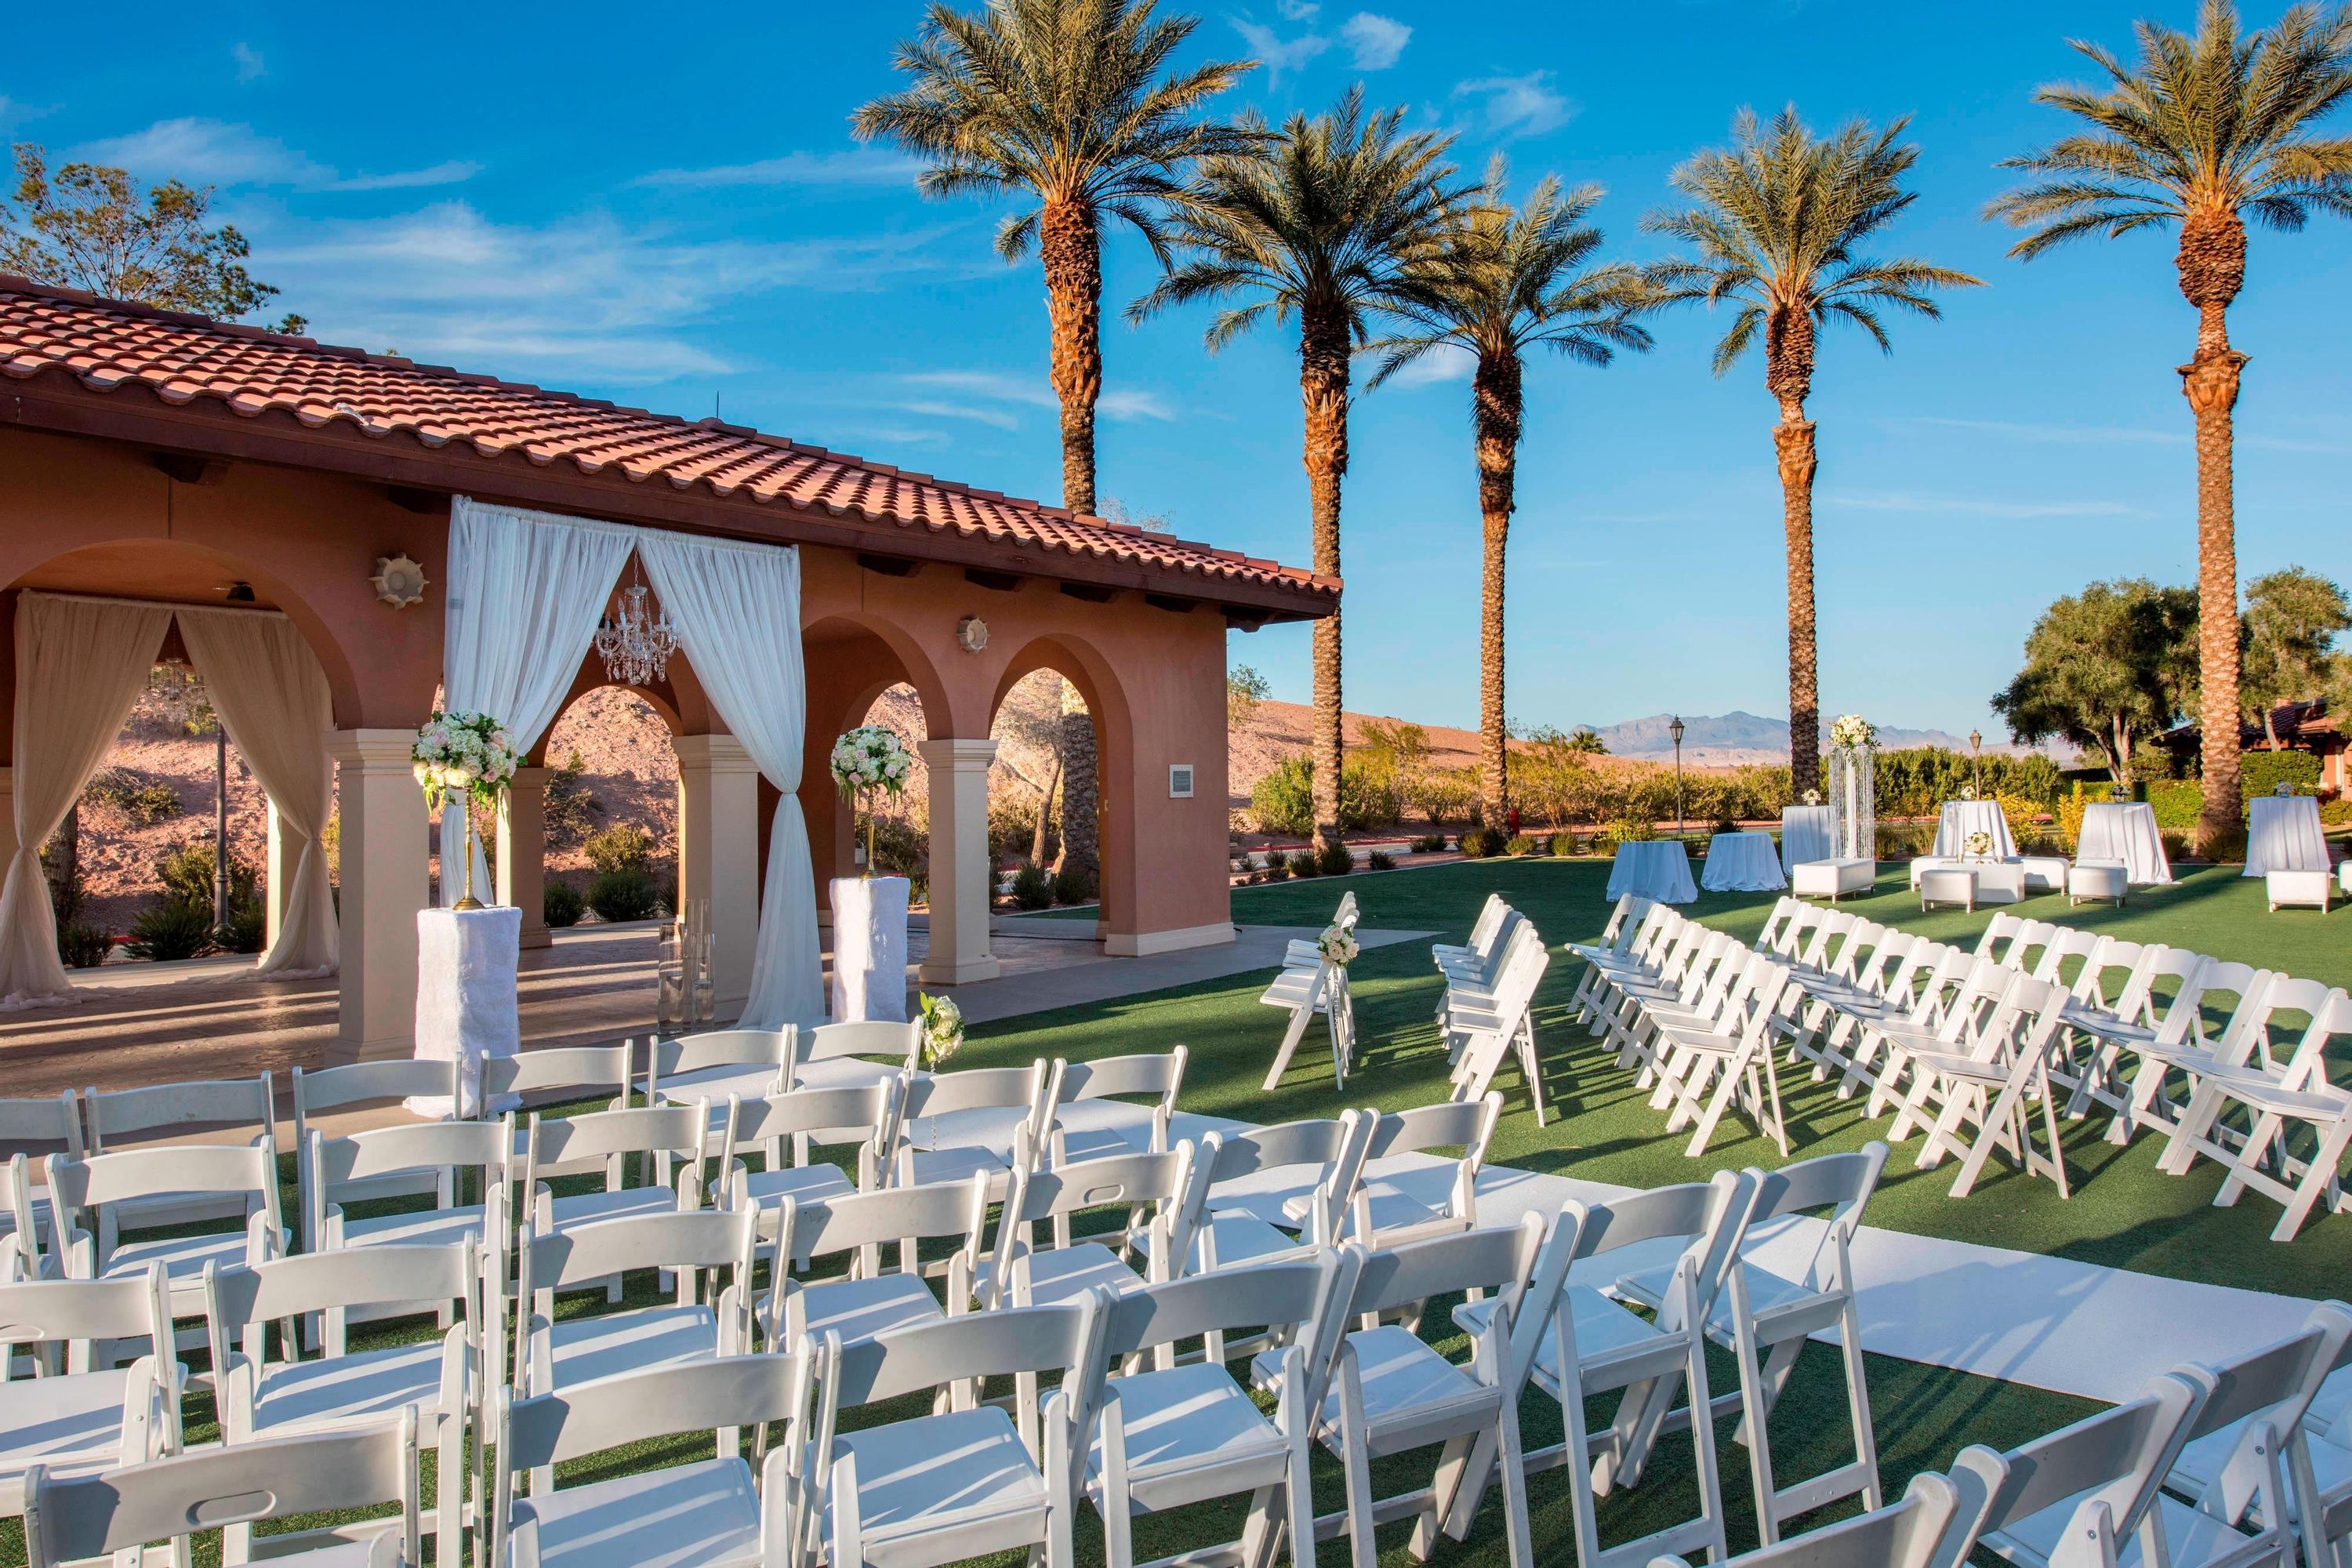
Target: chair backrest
360, 1083
1288, 1299
977, 1088
690, 1239
807, 1229
2331, 1018
1999, 933
1490, 918
1336, 1148
1169, 1186
1797, 929
209, 1102
869, 1110
79, 1312
1468, 1126
1344, 917
1501, 1257
1708, 1218
899, 1044
1776, 918
560, 1073
676, 1130
718, 1048
1015, 1341
2113, 1463
250, 1296
2108, 975
2147, 1001
2235, 994
2066, 942
479, 1146
1860, 943
1159, 1073
176, 1169
2270, 1390
1841, 1183
2032, 939
1833, 925
1905, 1533
68, 1519
584, 1418
54, 1120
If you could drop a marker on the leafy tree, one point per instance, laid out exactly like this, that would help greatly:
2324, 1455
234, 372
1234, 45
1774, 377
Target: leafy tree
2201, 133
1586, 740
1326, 226
1073, 102
1244, 690
87, 227
1776, 221
2105, 669
2292, 618
1504, 281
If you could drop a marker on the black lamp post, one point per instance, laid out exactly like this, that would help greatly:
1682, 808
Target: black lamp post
1675, 730
1976, 763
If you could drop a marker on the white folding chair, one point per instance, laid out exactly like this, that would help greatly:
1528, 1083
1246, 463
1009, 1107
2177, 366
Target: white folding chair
2185, 1049
2297, 1099
1987, 1082
868, 1300
80, 1415
846, 1056
1171, 1436
324, 1089
258, 1398
1259, 1171
1933, 1524
2081, 1493
1319, 989
695, 1248
1795, 1280
716, 1063
1490, 1034
92, 1194
245, 1106
71, 1520
715, 1513
654, 1134
1093, 1116
36, 1128
989, 1120
445, 1153
1416, 1196
806, 1117
1596, 1346
973, 1479
557, 1076
2243, 1470
1155, 1195
1736, 1056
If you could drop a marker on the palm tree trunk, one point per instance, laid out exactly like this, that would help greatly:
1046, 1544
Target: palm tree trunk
1792, 438
1045, 808
1071, 247
1080, 835
2211, 384
1323, 390
1496, 406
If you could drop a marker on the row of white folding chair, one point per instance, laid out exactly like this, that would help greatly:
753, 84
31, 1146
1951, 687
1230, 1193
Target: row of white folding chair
76, 1413
2279, 1100
1488, 1027
1473, 981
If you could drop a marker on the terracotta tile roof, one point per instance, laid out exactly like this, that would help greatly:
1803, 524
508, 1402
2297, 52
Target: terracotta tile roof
108, 346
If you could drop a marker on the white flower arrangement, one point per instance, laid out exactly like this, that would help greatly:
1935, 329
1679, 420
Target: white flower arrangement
463, 755
871, 757
1967, 792
1852, 732
942, 1029
1978, 844
1812, 797
1338, 946
2283, 788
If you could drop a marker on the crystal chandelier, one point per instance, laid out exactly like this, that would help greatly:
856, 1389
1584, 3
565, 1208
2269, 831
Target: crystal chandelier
635, 647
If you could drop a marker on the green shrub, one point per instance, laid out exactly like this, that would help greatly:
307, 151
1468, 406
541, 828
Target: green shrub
1478, 843
1379, 860
1334, 860
1430, 844
1277, 869
2336, 813
624, 847
560, 905
2260, 773
1303, 863
132, 797
1565, 844
2177, 805
666, 894
186, 874
570, 808
901, 849
1032, 887
170, 929
624, 894
1520, 844
1284, 800
82, 945
247, 929
1074, 885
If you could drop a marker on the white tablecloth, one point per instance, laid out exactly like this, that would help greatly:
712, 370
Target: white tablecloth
869, 949
1804, 835
2285, 834
1962, 818
1742, 863
1658, 869
2124, 832
466, 998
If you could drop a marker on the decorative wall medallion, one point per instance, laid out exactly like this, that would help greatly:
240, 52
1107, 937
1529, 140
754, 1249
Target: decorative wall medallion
398, 580
972, 634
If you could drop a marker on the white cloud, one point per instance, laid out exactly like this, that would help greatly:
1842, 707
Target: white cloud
1518, 105
214, 152
1919, 501
856, 166
1445, 363
1128, 405
1374, 41
249, 65
2063, 435
1125, 404
1297, 10
935, 409
1280, 56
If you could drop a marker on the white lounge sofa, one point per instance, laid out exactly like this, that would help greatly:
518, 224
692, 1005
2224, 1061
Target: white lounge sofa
2107, 880
2304, 889
1832, 879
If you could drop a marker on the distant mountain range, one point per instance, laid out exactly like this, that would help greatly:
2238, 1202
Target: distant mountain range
1730, 739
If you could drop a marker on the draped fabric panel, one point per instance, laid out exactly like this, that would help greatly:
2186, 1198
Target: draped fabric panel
272, 699
79, 667
738, 612
526, 589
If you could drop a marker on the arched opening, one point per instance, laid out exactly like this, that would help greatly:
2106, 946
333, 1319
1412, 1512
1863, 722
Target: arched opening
1059, 691
862, 673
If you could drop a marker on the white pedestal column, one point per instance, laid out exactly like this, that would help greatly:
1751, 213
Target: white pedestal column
385, 881
961, 886
718, 830
522, 852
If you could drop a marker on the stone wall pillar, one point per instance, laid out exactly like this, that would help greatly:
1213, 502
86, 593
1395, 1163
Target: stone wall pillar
522, 852
962, 884
718, 830
384, 884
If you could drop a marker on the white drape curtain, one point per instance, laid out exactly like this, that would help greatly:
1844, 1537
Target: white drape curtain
266, 684
738, 612
525, 592
79, 665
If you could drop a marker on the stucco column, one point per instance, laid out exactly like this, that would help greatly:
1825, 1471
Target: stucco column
718, 831
285, 854
522, 852
960, 884
384, 884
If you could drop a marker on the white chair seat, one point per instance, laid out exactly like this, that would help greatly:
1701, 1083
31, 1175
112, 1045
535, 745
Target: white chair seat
861, 1309
586, 1208
702, 1515
842, 1072
428, 1227
715, 1084
1240, 1239
1765, 1290
1407, 1386
1192, 1432
2190, 1536
1605, 1332
967, 1473
72, 1423
930, 1166
616, 1343
1390, 1207
183, 1256
803, 1183
347, 1390
1065, 1273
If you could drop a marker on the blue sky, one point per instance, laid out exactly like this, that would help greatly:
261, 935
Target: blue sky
670, 211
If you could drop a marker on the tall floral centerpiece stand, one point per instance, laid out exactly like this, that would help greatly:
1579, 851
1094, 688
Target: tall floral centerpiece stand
466, 954
1853, 794
869, 913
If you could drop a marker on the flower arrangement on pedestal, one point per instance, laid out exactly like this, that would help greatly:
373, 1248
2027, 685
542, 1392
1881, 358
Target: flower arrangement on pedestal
1853, 808
942, 1029
1852, 732
868, 758
1978, 844
1338, 946
466, 756
1812, 797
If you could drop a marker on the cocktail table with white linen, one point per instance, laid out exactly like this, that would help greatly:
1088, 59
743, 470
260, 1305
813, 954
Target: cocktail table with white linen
2283, 834
1657, 868
1742, 863
869, 949
2125, 831
465, 1000
1962, 818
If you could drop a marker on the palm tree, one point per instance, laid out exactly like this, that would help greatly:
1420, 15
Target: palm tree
1509, 280
1073, 102
2204, 132
1775, 220
1324, 225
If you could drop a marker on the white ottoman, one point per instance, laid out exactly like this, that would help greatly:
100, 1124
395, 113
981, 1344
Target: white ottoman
1831, 879
2307, 889
1948, 885
2344, 877
2108, 879
1923, 864
1999, 881
2044, 873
